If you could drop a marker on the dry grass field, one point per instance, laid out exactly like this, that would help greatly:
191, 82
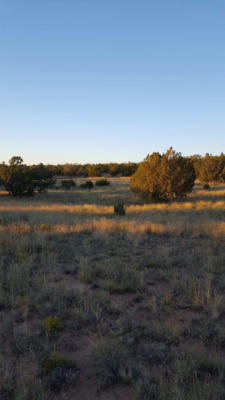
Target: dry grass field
97, 306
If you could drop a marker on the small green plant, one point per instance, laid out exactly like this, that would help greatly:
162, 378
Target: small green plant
102, 182
206, 186
68, 184
45, 227
58, 372
22, 256
53, 361
53, 324
111, 253
119, 208
87, 185
166, 301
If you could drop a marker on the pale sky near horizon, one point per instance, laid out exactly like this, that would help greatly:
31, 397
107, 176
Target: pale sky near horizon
99, 81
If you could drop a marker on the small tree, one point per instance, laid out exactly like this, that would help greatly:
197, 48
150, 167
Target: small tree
13, 176
19, 179
40, 177
163, 177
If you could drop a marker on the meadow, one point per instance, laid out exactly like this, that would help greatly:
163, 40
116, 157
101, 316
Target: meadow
99, 306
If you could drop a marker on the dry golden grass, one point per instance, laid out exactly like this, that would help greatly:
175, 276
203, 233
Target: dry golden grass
97, 209
103, 225
78, 209
204, 216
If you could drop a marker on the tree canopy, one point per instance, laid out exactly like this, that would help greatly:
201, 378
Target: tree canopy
163, 177
19, 179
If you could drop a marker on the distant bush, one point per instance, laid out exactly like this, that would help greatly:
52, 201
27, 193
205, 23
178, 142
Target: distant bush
163, 177
102, 182
119, 208
206, 186
87, 185
68, 184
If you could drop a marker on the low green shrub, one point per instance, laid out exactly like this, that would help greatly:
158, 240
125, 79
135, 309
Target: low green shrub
22, 256
45, 227
102, 182
68, 184
53, 361
58, 372
52, 324
87, 185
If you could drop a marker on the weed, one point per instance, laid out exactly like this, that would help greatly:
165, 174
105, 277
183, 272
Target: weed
52, 324
22, 256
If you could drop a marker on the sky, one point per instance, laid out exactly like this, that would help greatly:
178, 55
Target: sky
111, 80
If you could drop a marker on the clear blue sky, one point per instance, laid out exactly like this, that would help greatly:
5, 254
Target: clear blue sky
111, 80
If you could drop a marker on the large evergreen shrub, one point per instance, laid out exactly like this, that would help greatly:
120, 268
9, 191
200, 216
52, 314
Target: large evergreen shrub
163, 177
212, 168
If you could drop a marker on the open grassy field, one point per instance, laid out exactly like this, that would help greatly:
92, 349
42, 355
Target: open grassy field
96, 306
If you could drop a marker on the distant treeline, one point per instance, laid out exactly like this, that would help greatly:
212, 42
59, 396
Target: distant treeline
76, 170
207, 169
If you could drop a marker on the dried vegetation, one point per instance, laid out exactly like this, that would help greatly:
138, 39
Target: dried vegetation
98, 306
